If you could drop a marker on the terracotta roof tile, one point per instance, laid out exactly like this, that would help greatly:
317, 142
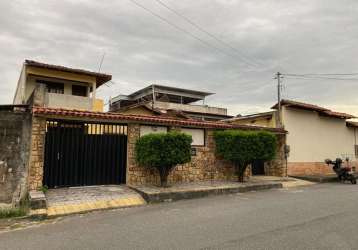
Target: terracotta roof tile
307, 106
144, 119
101, 78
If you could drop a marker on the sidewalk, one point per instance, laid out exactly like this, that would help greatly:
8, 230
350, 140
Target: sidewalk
65, 201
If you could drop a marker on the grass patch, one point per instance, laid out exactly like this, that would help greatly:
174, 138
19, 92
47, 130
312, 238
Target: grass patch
16, 211
12, 212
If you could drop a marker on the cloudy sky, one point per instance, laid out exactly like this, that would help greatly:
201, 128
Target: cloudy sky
250, 40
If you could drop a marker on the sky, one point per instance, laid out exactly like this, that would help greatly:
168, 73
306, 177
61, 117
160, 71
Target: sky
234, 48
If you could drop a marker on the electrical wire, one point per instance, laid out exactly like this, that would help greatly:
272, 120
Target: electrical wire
185, 31
248, 61
318, 78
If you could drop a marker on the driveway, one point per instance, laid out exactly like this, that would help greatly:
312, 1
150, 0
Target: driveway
314, 217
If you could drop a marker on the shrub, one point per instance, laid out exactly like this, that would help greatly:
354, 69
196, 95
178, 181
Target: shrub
243, 147
163, 151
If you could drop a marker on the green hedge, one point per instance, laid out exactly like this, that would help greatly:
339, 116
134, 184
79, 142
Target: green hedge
163, 151
243, 147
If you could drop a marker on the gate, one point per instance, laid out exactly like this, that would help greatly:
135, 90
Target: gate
83, 153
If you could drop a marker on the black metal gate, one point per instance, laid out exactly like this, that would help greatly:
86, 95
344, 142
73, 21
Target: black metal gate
82, 153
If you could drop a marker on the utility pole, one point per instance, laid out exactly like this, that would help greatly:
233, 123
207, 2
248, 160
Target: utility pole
279, 121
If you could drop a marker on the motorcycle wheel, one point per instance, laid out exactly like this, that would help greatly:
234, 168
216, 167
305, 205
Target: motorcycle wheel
353, 180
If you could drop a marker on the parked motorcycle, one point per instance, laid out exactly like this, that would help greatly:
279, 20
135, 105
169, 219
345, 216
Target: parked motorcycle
343, 173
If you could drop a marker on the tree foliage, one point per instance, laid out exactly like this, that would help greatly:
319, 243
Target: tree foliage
243, 147
163, 151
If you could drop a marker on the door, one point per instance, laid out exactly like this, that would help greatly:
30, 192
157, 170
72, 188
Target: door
84, 154
258, 167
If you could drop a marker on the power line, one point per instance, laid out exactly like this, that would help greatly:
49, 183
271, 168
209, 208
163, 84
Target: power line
248, 61
183, 30
323, 74
318, 78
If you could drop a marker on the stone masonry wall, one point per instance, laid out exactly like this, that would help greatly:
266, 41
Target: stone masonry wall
277, 167
36, 163
204, 166
15, 127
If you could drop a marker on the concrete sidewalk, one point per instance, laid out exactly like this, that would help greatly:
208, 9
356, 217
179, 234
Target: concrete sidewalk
153, 194
65, 201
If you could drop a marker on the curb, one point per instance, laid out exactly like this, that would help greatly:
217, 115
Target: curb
192, 194
319, 179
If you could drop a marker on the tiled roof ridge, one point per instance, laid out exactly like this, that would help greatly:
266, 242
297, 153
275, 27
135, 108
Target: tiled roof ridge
143, 118
323, 110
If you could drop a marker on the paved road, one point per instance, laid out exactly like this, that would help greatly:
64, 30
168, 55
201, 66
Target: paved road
316, 217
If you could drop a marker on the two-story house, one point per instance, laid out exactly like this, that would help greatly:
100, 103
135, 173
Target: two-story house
64, 87
168, 101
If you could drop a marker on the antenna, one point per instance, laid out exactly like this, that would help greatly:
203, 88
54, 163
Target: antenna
101, 62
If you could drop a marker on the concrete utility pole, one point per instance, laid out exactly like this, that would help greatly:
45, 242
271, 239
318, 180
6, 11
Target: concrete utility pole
278, 77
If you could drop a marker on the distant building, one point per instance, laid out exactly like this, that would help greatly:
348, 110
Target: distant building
314, 134
64, 87
168, 101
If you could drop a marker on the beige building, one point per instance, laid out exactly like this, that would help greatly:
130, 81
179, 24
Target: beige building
65, 87
314, 134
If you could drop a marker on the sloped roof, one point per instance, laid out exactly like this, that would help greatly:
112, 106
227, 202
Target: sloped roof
101, 78
63, 113
312, 107
268, 114
352, 124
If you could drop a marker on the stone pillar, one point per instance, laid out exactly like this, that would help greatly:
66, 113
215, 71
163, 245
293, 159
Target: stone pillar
133, 135
36, 163
277, 167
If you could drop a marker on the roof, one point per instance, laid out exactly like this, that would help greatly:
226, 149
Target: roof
268, 114
352, 124
168, 112
177, 95
321, 110
101, 78
67, 113
189, 91
14, 107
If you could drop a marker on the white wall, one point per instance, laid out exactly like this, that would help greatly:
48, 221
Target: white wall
198, 135
313, 138
144, 130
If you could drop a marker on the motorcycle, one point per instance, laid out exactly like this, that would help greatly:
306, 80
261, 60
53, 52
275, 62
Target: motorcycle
343, 173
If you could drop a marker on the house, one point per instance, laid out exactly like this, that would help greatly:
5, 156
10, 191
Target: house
168, 101
53, 135
65, 87
314, 134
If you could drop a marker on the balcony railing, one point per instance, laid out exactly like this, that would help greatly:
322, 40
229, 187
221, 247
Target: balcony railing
54, 100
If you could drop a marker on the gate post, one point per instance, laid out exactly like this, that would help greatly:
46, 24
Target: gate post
36, 164
133, 134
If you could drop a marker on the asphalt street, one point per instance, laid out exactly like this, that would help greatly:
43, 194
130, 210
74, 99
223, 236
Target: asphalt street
321, 216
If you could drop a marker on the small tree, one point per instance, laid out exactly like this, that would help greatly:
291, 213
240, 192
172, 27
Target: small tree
163, 151
243, 147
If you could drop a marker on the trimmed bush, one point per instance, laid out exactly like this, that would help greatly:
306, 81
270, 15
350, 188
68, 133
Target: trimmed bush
163, 151
243, 147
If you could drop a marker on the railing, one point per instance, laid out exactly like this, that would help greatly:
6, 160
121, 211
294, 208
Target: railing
191, 108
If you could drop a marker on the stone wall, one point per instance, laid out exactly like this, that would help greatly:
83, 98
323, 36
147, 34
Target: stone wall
36, 163
15, 125
277, 167
203, 166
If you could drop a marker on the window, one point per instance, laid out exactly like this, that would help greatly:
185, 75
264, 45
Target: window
144, 130
198, 135
79, 90
53, 87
